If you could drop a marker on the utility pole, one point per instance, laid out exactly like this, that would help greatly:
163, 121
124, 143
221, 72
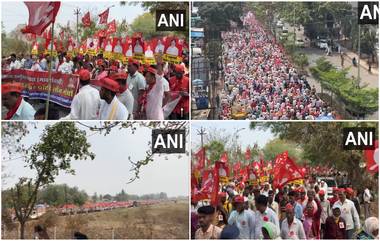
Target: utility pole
77, 12
358, 81
201, 133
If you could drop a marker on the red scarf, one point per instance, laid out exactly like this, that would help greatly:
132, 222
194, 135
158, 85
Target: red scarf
13, 110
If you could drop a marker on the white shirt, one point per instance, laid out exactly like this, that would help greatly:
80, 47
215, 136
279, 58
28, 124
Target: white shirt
259, 219
154, 99
85, 105
15, 65
244, 221
295, 231
127, 99
349, 214
24, 112
135, 84
36, 67
326, 211
367, 196
275, 207
113, 111
65, 68
165, 85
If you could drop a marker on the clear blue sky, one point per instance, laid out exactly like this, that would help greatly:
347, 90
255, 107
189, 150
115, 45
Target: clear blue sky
16, 12
109, 171
247, 137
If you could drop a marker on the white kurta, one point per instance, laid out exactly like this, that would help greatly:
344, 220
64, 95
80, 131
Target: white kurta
154, 101
113, 111
85, 105
127, 99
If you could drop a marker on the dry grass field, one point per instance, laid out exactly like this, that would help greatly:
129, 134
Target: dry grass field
167, 220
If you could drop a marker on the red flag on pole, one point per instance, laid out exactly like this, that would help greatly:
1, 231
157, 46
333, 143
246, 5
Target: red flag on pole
86, 20
248, 154
41, 15
224, 157
285, 170
372, 157
111, 27
201, 158
103, 17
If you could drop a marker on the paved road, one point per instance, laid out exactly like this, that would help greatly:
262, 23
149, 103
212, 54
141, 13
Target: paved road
369, 79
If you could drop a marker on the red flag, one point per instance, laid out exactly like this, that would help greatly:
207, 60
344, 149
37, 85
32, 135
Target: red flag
248, 154
86, 20
111, 27
224, 157
215, 186
285, 170
201, 158
372, 157
41, 15
103, 17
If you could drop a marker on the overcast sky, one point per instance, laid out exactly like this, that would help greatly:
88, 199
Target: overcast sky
109, 171
15, 12
247, 137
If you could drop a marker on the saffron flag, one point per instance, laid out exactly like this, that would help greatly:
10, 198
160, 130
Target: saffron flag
41, 15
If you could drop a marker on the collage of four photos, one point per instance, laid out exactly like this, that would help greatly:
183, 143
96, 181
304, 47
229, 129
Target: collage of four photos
189, 120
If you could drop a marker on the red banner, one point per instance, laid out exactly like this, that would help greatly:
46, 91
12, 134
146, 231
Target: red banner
35, 83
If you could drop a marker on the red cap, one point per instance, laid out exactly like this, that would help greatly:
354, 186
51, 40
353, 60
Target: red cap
321, 192
120, 75
151, 70
289, 206
11, 87
84, 74
109, 84
349, 190
239, 199
335, 189
133, 61
179, 68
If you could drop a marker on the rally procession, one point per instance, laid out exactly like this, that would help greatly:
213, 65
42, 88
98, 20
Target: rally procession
268, 181
283, 61
72, 61
98, 188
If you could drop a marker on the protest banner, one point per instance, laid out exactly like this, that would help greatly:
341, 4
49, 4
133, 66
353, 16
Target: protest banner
35, 83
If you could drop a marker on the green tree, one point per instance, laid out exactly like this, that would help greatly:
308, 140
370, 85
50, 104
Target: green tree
214, 150
58, 146
278, 146
322, 144
145, 23
301, 60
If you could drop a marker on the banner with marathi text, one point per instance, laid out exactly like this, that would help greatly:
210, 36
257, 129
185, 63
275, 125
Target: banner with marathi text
63, 87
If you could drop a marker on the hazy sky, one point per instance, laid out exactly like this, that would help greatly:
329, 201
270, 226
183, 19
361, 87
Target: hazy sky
246, 136
16, 12
109, 171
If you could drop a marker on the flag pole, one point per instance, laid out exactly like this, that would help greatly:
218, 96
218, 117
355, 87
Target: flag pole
50, 67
